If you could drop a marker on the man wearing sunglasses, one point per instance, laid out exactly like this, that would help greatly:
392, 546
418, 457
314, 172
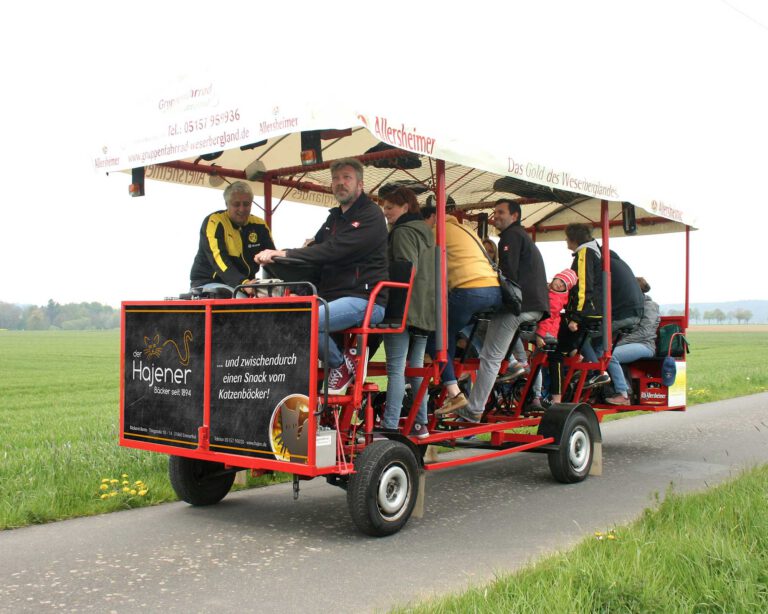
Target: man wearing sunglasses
229, 240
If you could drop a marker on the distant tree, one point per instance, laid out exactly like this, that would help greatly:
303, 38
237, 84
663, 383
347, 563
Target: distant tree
52, 310
10, 316
742, 314
694, 314
709, 316
35, 318
675, 312
718, 315
731, 315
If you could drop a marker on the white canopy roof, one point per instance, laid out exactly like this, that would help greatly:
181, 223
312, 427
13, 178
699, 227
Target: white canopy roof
611, 138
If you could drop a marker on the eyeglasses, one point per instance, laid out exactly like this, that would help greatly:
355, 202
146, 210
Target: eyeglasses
241, 203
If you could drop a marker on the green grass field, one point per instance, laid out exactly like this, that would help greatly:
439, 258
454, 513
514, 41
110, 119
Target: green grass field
59, 419
704, 552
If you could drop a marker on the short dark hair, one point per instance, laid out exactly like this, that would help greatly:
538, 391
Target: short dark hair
512, 206
578, 233
353, 162
428, 211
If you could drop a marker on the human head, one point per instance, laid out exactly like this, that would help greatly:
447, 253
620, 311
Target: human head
346, 180
564, 281
505, 213
490, 247
429, 214
644, 285
239, 198
399, 202
577, 234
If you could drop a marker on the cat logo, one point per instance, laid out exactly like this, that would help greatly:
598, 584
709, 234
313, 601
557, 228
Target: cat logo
153, 348
252, 237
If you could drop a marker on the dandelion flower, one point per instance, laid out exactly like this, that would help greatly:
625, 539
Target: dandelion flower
138, 482
113, 493
142, 492
611, 536
133, 492
104, 496
105, 480
125, 482
125, 475
126, 489
103, 487
113, 481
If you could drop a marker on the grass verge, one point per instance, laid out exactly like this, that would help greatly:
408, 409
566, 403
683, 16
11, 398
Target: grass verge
705, 552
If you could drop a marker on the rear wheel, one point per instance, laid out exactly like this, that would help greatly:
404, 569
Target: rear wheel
199, 482
383, 490
573, 460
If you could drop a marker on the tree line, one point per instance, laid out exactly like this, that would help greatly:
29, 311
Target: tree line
715, 315
71, 316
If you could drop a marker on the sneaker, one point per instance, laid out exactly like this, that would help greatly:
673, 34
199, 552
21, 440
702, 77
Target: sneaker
598, 380
340, 377
452, 405
511, 375
535, 404
617, 399
419, 431
465, 414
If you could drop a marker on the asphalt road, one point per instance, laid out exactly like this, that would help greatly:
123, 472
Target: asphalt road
259, 549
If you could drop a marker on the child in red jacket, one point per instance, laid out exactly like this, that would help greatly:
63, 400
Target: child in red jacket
561, 284
546, 331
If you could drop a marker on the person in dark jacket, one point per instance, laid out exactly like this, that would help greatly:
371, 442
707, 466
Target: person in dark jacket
229, 240
351, 250
410, 240
520, 261
638, 343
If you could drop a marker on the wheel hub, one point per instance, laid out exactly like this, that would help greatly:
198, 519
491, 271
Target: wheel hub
393, 490
578, 449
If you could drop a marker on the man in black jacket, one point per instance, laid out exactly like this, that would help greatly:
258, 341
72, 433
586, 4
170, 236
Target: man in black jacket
229, 240
520, 260
351, 250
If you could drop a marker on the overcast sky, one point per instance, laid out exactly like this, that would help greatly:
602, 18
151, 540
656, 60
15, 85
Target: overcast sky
74, 235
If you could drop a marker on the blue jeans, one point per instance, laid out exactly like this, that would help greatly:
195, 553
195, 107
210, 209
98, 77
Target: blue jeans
623, 354
399, 346
463, 303
347, 312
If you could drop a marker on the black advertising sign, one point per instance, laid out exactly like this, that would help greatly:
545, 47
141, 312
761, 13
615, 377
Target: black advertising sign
164, 374
260, 373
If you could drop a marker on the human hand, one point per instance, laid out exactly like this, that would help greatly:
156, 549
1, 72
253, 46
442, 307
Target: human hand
539, 342
265, 256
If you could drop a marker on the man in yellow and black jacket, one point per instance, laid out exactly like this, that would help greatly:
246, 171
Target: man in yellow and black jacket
229, 240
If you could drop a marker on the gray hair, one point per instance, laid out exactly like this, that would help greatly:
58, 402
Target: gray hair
238, 187
353, 162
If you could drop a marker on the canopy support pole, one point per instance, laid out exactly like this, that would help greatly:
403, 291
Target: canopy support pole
606, 230
268, 202
687, 272
441, 333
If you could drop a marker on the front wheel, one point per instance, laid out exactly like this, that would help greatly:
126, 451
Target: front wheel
383, 490
199, 482
573, 460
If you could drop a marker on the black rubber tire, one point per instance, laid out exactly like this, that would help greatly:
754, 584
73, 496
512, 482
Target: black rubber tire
199, 482
572, 462
383, 490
